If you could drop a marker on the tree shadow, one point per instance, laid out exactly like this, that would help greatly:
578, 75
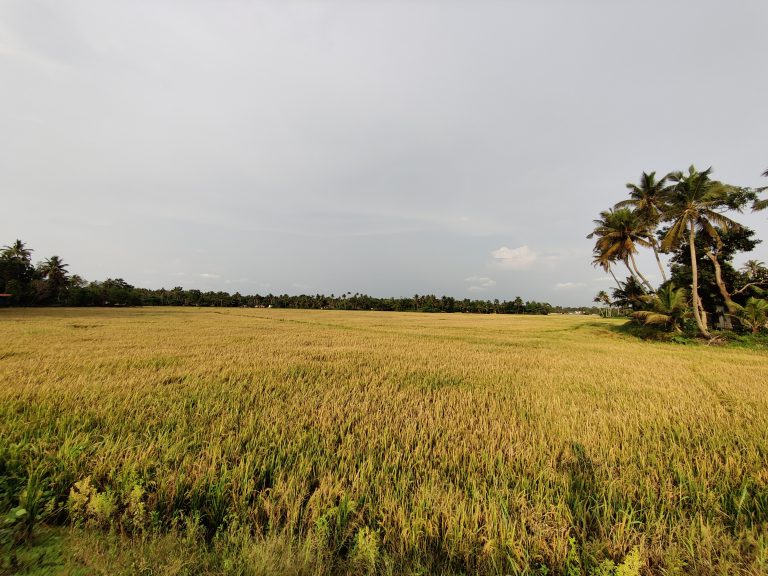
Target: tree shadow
583, 493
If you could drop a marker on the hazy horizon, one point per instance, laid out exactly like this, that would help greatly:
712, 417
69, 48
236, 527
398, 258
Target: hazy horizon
387, 148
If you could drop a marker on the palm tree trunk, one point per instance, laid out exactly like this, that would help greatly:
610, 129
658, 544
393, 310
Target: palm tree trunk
610, 271
645, 281
658, 261
632, 273
695, 283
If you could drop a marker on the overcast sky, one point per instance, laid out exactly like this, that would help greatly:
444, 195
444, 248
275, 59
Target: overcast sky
391, 148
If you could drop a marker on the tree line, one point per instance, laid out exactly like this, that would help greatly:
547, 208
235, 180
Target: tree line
49, 283
690, 217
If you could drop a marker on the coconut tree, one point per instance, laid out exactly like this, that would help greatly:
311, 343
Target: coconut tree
695, 201
646, 199
603, 262
55, 272
16, 271
629, 294
619, 231
758, 204
603, 298
17, 251
754, 314
756, 275
668, 307
753, 269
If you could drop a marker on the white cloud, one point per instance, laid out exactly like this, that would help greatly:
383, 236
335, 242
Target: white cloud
483, 281
515, 258
480, 283
568, 285
207, 275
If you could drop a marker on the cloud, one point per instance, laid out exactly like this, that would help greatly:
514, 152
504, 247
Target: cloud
483, 281
602, 279
514, 258
480, 283
568, 285
207, 275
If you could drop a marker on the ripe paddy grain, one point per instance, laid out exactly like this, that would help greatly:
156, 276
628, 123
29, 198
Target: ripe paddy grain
391, 442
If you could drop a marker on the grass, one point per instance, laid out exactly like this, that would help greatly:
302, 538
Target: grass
317, 442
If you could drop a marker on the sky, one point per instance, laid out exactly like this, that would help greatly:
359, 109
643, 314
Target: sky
392, 148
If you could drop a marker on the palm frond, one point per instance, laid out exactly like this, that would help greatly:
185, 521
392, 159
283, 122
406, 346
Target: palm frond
674, 235
649, 317
720, 220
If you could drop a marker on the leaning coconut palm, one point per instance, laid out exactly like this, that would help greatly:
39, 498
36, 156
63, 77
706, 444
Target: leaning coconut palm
754, 314
695, 201
619, 232
647, 201
668, 307
602, 261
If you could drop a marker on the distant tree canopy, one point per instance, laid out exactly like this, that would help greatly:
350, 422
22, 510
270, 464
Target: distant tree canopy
690, 217
51, 284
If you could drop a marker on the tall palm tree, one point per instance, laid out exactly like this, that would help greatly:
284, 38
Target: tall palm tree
619, 232
694, 201
17, 251
603, 298
647, 201
55, 272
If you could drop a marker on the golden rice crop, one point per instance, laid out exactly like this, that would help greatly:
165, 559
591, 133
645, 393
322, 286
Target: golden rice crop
388, 442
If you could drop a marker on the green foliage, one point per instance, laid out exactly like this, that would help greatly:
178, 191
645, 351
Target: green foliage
13, 525
631, 564
364, 556
754, 314
89, 507
51, 284
572, 559
699, 234
668, 307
